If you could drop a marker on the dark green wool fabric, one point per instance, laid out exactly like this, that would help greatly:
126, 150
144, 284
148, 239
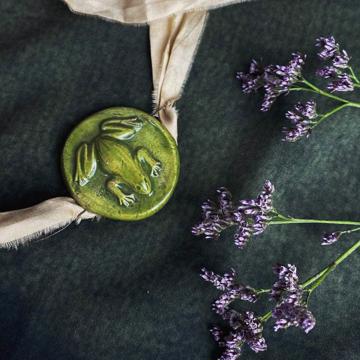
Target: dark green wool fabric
131, 291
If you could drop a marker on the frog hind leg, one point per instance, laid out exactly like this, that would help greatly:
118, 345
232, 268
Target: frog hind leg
124, 199
86, 164
122, 128
144, 156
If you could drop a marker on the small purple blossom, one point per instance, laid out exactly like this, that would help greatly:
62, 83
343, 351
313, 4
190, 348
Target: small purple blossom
291, 309
250, 216
231, 290
287, 281
252, 80
275, 79
289, 313
341, 60
328, 47
327, 72
302, 119
279, 78
330, 238
225, 282
216, 217
330, 50
245, 328
342, 83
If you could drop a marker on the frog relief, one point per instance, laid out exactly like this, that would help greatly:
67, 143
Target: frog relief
128, 174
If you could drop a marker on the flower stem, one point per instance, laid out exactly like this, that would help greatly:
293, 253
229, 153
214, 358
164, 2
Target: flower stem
331, 112
353, 75
324, 93
317, 279
266, 316
283, 220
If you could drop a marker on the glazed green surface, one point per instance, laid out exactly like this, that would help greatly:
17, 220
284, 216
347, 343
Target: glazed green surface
116, 157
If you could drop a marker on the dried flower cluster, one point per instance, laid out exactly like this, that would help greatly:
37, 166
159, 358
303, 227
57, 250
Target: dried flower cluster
339, 63
246, 328
251, 217
277, 80
288, 296
291, 308
302, 119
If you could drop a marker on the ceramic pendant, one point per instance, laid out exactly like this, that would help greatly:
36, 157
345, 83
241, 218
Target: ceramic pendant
121, 163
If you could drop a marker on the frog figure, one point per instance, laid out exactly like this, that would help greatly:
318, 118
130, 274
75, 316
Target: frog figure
128, 174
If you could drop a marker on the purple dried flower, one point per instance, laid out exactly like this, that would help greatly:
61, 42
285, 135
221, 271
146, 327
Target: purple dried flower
276, 79
245, 293
231, 290
289, 313
328, 47
251, 216
291, 309
330, 238
341, 60
342, 83
216, 218
302, 119
222, 283
279, 78
327, 72
330, 50
254, 215
287, 281
252, 80
218, 335
245, 328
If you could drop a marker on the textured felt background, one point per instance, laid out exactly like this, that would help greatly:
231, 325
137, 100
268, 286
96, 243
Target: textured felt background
115, 290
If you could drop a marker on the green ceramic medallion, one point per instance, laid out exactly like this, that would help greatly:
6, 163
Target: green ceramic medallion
121, 163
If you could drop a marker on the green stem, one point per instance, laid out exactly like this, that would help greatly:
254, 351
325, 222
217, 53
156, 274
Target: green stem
266, 316
324, 93
317, 279
282, 220
350, 231
354, 76
331, 112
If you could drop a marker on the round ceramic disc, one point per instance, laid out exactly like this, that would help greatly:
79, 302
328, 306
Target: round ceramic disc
121, 163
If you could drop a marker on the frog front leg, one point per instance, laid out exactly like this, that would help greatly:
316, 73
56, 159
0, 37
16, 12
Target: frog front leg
113, 187
143, 155
121, 128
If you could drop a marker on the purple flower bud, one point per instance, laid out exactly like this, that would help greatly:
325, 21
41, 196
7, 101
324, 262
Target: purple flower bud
328, 47
342, 83
251, 216
253, 80
279, 78
341, 60
302, 119
246, 328
327, 72
275, 79
291, 310
222, 283
292, 314
330, 238
218, 335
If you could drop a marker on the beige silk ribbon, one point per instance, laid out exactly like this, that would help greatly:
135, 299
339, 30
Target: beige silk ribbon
176, 27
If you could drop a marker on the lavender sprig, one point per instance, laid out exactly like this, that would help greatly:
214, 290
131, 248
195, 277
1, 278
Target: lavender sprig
303, 119
276, 80
251, 217
290, 309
